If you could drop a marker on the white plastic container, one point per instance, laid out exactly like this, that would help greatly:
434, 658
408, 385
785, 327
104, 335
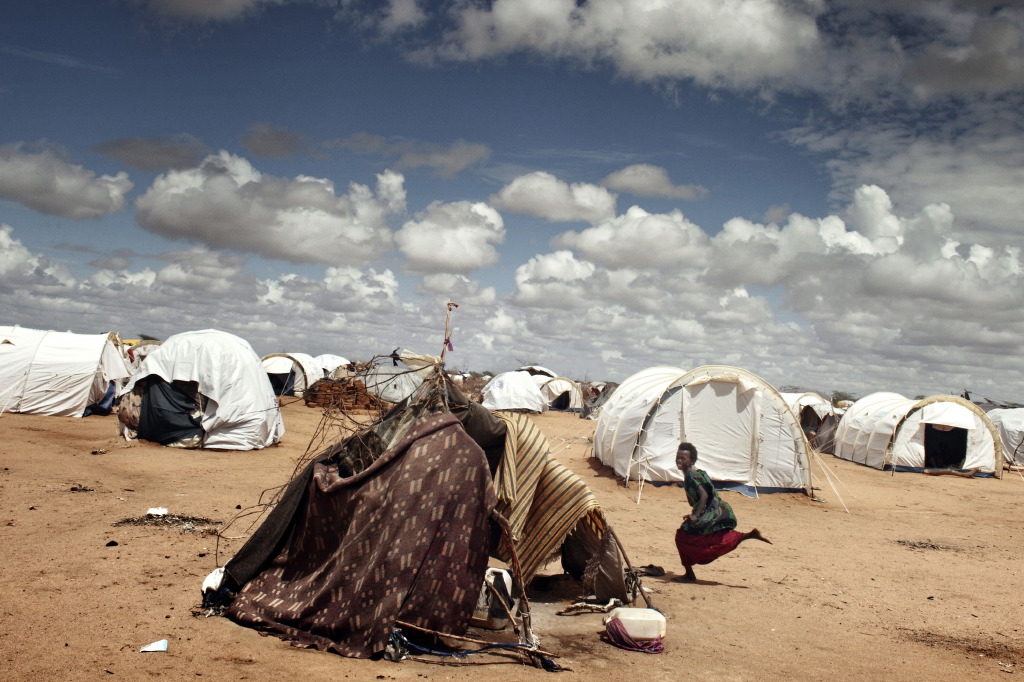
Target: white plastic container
641, 624
489, 612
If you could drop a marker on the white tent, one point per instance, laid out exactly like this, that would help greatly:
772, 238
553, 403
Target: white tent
537, 370
389, 382
57, 373
513, 391
815, 414
553, 389
138, 352
742, 428
884, 430
241, 410
328, 363
291, 373
1009, 423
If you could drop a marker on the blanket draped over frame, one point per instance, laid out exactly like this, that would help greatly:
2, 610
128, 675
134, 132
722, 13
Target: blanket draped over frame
541, 498
406, 539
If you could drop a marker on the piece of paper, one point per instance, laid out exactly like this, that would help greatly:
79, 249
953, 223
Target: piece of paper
157, 511
160, 645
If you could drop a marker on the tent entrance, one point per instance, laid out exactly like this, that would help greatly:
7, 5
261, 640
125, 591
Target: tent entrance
283, 384
945, 447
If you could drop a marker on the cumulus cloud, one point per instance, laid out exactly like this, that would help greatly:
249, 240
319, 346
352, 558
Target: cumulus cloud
640, 239
454, 238
401, 15
738, 44
971, 158
646, 180
155, 153
21, 268
458, 288
227, 203
48, 183
543, 195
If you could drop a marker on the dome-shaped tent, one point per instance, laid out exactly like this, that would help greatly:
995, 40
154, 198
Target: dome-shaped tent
885, 430
561, 393
742, 428
328, 363
513, 391
1009, 423
291, 373
817, 418
238, 407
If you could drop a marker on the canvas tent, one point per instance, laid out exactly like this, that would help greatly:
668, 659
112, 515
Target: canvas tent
817, 418
391, 382
414, 492
59, 374
202, 389
291, 373
742, 428
1009, 423
537, 370
884, 430
513, 391
561, 393
328, 363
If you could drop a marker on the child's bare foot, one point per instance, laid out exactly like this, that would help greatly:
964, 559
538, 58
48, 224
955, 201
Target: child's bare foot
756, 535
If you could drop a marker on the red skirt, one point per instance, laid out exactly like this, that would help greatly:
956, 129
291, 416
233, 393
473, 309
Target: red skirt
703, 549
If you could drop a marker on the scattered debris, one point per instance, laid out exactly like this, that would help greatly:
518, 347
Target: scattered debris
187, 524
79, 488
918, 544
98, 452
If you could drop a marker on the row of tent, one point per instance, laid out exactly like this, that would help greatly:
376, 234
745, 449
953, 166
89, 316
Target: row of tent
204, 388
750, 435
532, 389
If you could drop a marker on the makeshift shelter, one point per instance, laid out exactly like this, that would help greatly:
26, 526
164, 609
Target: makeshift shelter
394, 525
887, 430
60, 374
516, 391
1009, 423
202, 389
742, 428
817, 419
291, 373
593, 404
328, 363
562, 394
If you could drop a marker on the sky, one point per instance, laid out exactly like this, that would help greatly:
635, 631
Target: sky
826, 193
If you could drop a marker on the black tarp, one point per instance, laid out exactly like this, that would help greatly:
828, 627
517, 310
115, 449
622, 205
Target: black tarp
167, 413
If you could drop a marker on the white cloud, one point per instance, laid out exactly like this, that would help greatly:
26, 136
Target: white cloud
45, 182
454, 238
646, 180
640, 239
402, 14
731, 44
19, 267
459, 289
226, 203
543, 195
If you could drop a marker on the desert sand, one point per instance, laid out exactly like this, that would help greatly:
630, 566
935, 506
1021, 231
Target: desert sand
879, 576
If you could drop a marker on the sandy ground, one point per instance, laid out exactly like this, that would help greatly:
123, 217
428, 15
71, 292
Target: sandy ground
918, 580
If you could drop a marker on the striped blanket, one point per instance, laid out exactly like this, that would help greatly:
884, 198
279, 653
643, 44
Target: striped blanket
542, 499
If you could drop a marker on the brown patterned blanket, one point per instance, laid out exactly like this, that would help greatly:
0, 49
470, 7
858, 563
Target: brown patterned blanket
339, 560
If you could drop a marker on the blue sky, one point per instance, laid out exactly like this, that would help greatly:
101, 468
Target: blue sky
825, 193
